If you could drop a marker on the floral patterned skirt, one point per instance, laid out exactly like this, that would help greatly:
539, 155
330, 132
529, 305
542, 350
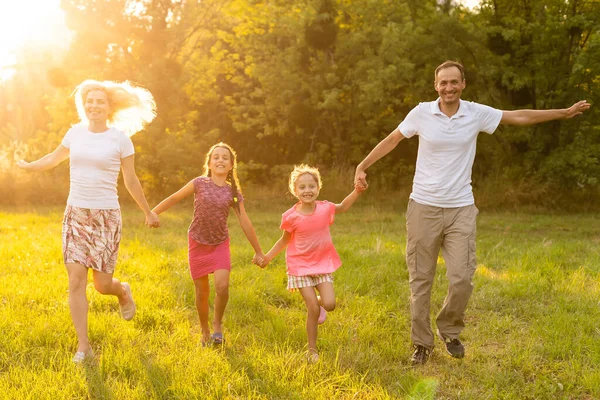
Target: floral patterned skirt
91, 237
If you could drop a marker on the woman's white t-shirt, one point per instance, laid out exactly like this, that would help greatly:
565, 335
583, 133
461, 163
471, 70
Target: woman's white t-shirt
95, 160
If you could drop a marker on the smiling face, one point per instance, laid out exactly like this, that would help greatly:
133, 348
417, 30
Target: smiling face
97, 107
220, 162
449, 84
306, 189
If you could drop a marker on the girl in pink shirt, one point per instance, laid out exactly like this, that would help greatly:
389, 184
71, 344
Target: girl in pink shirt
310, 257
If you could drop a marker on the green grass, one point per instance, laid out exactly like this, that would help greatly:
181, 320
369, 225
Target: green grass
532, 324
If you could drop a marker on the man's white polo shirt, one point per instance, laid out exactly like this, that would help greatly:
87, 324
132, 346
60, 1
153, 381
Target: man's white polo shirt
447, 150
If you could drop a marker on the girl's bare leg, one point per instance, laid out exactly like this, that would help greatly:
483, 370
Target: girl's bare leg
327, 295
202, 292
221, 298
312, 307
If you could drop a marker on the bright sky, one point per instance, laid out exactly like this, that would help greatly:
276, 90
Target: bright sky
470, 3
40, 22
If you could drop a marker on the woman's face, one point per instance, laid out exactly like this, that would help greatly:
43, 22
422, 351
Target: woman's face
96, 106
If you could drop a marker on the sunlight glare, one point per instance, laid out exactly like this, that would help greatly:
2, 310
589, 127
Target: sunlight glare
37, 22
470, 3
491, 274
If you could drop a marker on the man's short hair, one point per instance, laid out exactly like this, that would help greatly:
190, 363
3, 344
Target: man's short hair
449, 64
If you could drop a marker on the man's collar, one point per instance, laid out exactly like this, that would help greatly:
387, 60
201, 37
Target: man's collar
462, 108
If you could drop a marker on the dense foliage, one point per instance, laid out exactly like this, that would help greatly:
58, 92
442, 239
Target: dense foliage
320, 81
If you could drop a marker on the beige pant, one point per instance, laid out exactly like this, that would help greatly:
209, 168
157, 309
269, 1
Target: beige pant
453, 230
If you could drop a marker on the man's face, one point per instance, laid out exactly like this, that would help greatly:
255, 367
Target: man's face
449, 84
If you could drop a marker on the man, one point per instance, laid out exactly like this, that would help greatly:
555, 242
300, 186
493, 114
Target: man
441, 211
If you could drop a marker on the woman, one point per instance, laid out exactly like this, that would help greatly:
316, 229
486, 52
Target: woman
98, 147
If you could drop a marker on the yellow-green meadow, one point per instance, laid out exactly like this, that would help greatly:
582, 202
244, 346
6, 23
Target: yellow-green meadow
533, 322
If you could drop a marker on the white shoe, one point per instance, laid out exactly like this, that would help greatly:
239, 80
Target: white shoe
80, 357
127, 310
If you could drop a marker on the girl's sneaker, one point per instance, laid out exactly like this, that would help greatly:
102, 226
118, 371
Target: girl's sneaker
312, 358
80, 357
322, 315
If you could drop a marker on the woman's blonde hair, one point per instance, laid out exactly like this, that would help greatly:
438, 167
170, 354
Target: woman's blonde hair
131, 107
232, 176
300, 170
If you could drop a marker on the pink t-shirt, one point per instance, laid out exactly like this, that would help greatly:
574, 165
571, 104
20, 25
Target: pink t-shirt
310, 250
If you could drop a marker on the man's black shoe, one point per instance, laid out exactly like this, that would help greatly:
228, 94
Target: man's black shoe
455, 348
420, 355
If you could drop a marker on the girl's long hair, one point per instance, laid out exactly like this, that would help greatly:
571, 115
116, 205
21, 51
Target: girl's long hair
131, 107
232, 176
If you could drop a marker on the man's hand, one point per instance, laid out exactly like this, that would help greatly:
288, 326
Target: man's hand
577, 108
360, 179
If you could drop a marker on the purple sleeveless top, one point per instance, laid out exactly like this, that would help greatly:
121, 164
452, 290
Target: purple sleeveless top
211, 208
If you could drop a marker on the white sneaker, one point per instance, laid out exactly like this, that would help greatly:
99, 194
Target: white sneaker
127, 310
312, 358
80, 357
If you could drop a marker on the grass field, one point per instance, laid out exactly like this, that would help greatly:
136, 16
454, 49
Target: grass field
533, 324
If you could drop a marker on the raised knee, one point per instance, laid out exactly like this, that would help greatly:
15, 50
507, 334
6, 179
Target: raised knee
102, 287
329, 305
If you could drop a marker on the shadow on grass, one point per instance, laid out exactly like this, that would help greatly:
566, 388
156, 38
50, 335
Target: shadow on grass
159, 379
96, 386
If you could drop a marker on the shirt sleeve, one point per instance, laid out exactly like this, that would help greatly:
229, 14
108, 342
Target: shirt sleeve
66, 142
331, 210
489, 118
286, 224
126, 146
410, 126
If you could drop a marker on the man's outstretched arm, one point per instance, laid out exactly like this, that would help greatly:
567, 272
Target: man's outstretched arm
531, 117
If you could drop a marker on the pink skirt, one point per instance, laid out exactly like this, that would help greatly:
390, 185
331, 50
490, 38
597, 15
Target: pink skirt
205, 259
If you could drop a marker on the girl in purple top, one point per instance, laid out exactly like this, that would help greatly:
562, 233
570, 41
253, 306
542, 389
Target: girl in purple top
311, 258
215, 192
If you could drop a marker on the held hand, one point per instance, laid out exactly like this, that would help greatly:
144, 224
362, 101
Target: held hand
361, 187
23, 164
360, 178
259, 259
265, 262
577, 108
152, 220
